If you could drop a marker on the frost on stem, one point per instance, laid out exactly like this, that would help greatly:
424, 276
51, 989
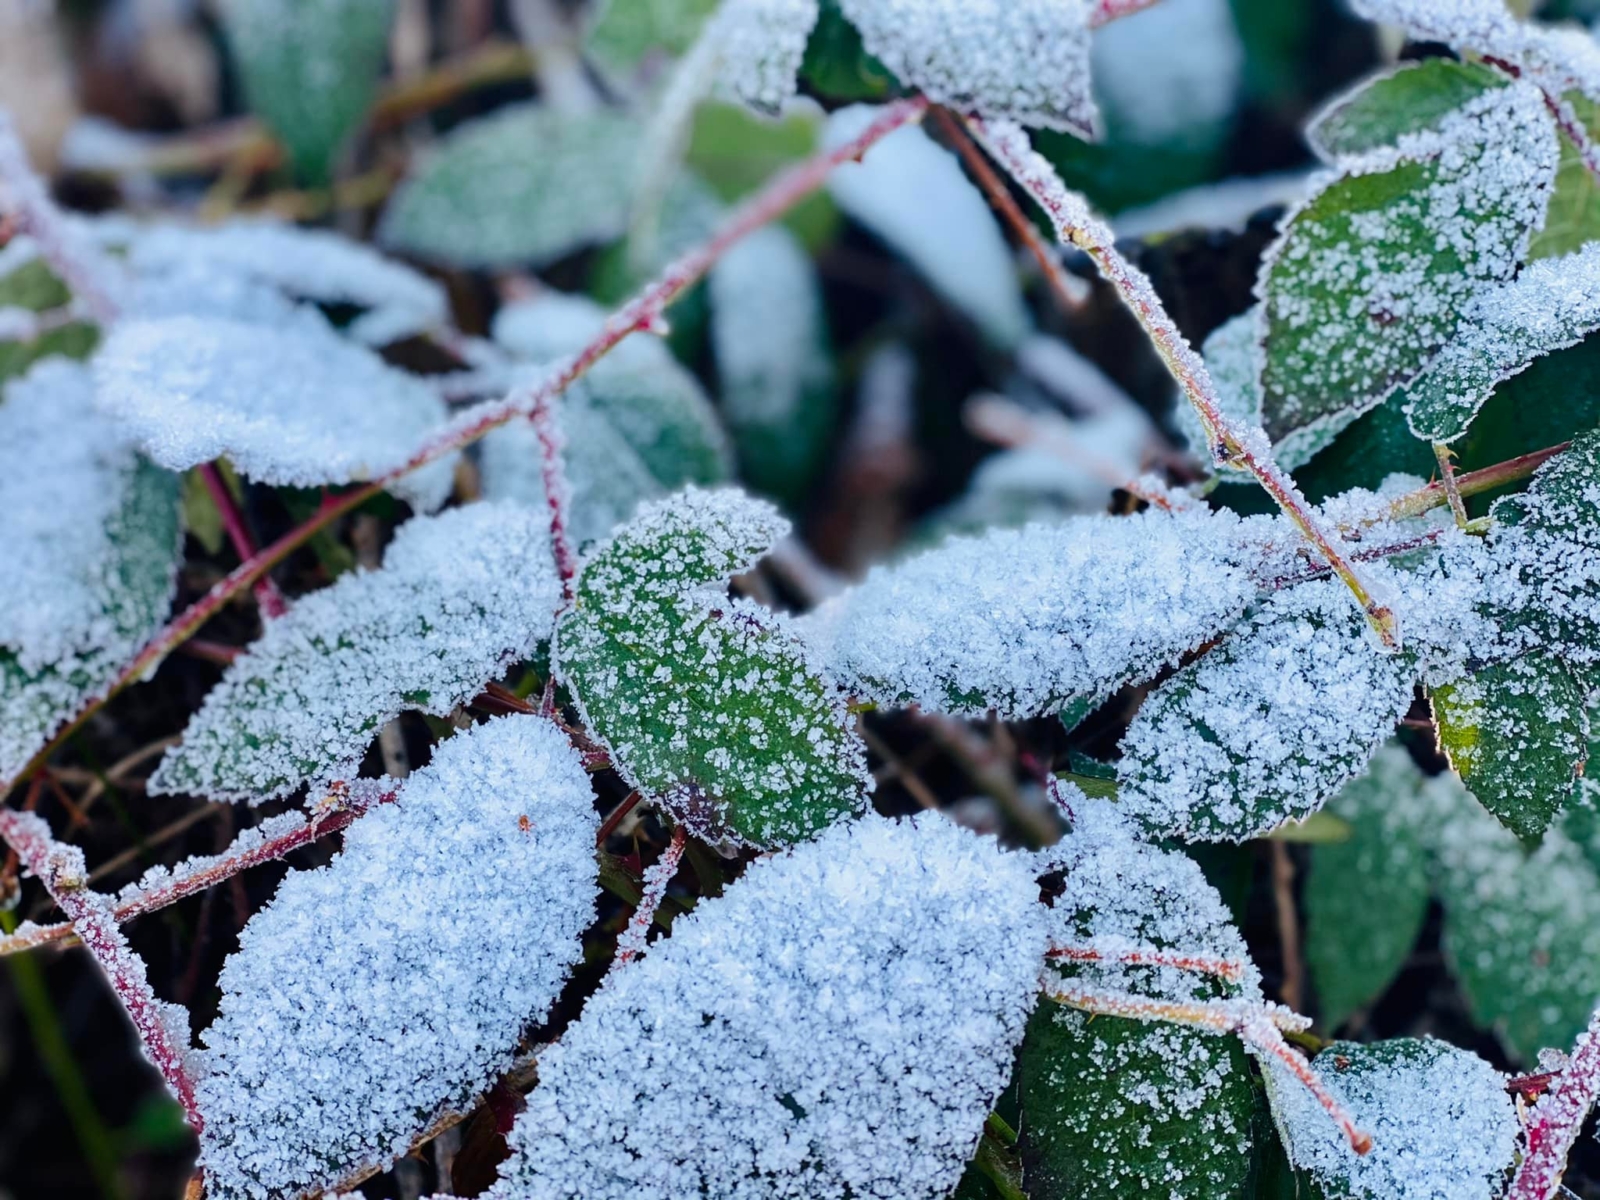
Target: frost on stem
393, 984
837, 1024
461, 596
1554, 1126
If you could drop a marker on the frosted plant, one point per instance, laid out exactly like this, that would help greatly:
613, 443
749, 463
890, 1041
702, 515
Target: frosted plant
759, 45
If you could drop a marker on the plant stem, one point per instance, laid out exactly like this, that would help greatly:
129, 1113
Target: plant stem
1106, 11
1447, 477
1248, 448
656, 877
244, 544
1513, 470
1557, 1120
1223, 968
557, 491
644, 313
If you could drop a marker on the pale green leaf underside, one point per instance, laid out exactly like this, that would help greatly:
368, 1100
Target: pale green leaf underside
1410, 98
1574, 216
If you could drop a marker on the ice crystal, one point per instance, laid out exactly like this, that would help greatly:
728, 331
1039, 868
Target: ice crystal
760, 45
295, 404
460, 597
837, 1024
393, 984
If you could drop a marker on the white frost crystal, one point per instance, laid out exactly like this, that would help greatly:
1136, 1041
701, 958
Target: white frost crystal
837, 1024
296, 404
460, 597
375, 993
760, 45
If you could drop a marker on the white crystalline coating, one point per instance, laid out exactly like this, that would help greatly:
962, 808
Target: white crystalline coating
392, 985
303, 264
295, 405
1232, 355
759, 47
1441, 1122
1019, 60
837, 1024
1170, 73
1266, 727
1022, 621
911, 192
1552, 304
460, 597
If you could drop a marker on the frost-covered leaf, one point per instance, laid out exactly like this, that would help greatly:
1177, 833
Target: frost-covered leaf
1552, 304
1023, 621
774, 362
1574, 216
1441, 1122
1410, 98
760, 45
310, 69
294, 404
1020, 60
1370, 277
1518, 735
524, 186
460, 597
711, 706
392, 985
627, 32
1521, 928
911, 192
304, 264
1264, 728
29, 287
837, 66
637, 426
1366, 897
837, 1024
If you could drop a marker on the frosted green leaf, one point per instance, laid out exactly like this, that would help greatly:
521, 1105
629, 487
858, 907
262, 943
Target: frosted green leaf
523, 187
1409, 98
638, 425
310, 69
711, 706
1574, 216
774, 363
837, 1024
294, 404
29, 287
1441, 1122
376, 993
461, 596
627, 32
1370, 278
759, 46
1518, 735
1554, 303
1366, 897
911, 192
1267, 726
1521, 928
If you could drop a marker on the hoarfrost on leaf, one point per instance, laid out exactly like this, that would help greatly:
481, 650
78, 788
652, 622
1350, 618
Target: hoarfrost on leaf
760, 45
461, 597
1410, 98
376, 993
837, 1024
295, 404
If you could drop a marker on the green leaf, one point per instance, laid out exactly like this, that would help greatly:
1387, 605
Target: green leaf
628, 32
1115, 1108
1406, 99
1574, 216
1518, 735
736, 151
1366, 897
1369, 278
33, 286
525, 186
710, 706
310, 70
838, 67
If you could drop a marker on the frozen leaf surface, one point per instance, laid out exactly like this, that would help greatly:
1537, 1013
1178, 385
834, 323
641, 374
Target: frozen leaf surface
460, 597
711, 706
1407, 99
837, 1024
911, 192
1574, 216
760, 46
392, 985
1264, 729
295, 405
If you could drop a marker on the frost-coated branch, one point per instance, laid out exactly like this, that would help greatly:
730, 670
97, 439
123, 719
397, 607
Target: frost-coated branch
643, 313
62, 871
267, 594
1135, 956
557, 490
656, 877
1557, 1120
1248, 448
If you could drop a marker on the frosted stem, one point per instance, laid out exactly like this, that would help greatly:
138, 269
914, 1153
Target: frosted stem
1222, 968
62, 871
1447, 477
1557, 1120
267, 594
1247, 448
644, 312
1513, 470
557, 491
656, 877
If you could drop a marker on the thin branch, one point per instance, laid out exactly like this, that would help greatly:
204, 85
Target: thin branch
1447, 477
557, 490
1557, 1120
244, 543
1247, 448
656, 877
617, 815
643, 313
62, 871
1106, 11
1230, 969
1293, 989
1513, 470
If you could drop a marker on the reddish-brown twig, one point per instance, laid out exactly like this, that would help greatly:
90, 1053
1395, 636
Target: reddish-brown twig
656, 877
1557, 1120
244, 543
1138, 956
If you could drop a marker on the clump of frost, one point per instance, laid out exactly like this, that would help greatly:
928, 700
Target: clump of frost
461, 596
1441, 1122
392, 985
759, 47
1023, 621
837, 1024
294, 405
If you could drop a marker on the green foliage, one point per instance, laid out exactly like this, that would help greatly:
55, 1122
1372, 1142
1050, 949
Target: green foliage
838, 66
1574, 216
1408, 99
628, 32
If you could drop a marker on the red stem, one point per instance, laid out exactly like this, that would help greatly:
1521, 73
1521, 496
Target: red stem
267, 594
557, 491
615, 817
1557, 1120
1106, 11
656, 877
1222, 968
